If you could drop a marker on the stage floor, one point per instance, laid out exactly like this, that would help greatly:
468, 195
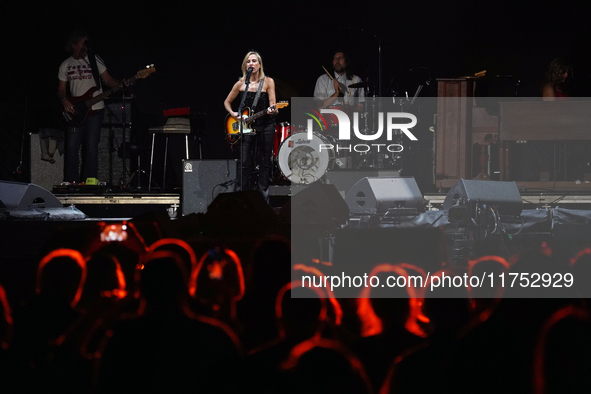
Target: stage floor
128, 205
561, 218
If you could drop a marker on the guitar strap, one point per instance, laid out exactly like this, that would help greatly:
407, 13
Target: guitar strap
94, 68
258, 95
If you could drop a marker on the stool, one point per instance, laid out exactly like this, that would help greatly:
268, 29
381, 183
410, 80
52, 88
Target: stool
174, 125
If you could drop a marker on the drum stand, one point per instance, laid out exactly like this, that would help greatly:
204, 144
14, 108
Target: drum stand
136, 150
118, 180
368, 160
123, 124
398, 160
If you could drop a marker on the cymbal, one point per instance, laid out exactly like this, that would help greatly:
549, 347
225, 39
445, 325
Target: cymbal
361, 84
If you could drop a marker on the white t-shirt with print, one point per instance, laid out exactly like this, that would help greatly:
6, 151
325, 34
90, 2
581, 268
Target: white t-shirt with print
79, 75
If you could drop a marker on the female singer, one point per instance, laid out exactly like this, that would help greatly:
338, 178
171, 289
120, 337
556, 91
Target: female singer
262, 90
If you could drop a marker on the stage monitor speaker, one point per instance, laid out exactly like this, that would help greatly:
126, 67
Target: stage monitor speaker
372, 196
203, 180
503, 195
241, 212
15, 195
318, 205
344, 180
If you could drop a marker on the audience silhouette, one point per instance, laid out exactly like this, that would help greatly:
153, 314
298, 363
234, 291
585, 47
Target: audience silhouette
40, 321
131, 318
300, 315
166, 348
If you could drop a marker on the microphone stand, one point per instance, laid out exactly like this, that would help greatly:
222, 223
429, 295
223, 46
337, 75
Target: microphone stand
240, 125
379, 42
123, 136
379, 65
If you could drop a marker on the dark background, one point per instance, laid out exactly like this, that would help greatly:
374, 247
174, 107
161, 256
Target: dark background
198, 47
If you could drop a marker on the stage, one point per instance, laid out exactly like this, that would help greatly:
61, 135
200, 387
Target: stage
127, 205
322, 229
237, 218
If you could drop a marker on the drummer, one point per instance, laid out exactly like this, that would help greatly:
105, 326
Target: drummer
334, 89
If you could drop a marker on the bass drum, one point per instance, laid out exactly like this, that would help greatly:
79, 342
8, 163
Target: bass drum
304, 161
282, 131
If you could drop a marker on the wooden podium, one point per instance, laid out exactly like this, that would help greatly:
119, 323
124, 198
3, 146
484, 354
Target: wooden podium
460, 125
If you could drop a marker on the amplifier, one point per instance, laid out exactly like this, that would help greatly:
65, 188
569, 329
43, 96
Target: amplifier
203, 180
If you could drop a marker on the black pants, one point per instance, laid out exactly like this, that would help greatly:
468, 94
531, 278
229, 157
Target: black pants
262, 144
88, 136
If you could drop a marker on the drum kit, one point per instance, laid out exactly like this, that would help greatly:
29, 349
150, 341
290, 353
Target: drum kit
303, 161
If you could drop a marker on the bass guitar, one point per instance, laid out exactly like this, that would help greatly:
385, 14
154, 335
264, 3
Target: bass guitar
83, 104
233, 125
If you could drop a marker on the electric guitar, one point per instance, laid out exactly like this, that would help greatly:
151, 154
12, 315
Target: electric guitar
233, 125
83, 104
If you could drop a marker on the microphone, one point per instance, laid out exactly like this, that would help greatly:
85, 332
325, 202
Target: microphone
249, 72
228, 183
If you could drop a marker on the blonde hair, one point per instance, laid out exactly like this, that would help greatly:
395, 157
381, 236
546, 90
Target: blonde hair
261, 72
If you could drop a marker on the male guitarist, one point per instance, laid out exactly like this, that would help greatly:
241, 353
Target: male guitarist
78, 74
260, 96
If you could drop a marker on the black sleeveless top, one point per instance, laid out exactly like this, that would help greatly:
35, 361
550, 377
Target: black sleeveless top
262, 105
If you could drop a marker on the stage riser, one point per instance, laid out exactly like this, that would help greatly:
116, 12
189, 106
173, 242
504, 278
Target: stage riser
280, 196
123, 210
